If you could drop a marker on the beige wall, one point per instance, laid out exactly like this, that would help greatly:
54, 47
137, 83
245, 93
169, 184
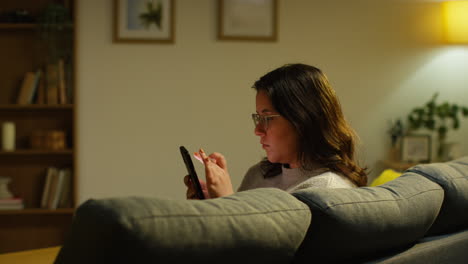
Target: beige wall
138, 103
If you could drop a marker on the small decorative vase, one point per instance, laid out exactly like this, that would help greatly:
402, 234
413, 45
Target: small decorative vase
4, 192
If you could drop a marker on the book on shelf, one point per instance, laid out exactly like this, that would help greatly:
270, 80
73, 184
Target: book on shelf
28, 87
11, 204
68, 81
62, 93
55, 191
65, 193
51, 171
57, 188
41, 92
52, 84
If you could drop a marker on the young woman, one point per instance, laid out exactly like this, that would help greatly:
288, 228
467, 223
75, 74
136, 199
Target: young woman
301, 126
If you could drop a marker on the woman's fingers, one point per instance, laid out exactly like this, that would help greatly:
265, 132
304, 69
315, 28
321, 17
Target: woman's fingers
204, 189
217, 177
191, 193
220, 159
204, 157
199, 158
187, 181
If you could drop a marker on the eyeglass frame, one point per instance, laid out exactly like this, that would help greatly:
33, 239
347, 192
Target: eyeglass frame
263, 119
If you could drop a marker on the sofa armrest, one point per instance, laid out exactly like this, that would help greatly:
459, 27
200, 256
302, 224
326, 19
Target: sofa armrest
452, 176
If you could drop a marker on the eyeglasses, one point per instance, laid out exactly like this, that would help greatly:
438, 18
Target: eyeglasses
263, 120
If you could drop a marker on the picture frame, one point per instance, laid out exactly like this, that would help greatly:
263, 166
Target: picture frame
416, 148
144, 21
248, 20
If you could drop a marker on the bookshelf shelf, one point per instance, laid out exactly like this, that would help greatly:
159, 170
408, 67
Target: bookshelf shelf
38, 211
18, 25
26, 152
19, 107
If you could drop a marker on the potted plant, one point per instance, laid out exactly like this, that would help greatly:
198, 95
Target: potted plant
438, 117
55, 31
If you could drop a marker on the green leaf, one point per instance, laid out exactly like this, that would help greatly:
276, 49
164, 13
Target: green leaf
465, 111
442, 110
430, 124
442, 130
414, 122
419, 111
431, 110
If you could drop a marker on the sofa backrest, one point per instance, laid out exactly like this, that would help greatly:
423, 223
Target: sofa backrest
360, 223
453, 177
257, 226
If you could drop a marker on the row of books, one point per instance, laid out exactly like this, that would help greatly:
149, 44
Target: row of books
57, 188
47, 86
11, 204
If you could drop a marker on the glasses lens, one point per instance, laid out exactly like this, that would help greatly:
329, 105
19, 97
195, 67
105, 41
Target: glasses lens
258, 119
262, 120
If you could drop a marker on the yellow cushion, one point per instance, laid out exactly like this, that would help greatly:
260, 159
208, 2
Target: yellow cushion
386, 176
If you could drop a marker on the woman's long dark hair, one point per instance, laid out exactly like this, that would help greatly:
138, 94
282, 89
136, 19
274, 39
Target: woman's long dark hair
302, 94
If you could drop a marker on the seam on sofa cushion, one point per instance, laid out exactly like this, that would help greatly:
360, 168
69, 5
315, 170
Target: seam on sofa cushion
218, 215
460, 161
367, 202
432, 177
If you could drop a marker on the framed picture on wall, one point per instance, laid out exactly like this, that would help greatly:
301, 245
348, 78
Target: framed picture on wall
139, 21
416, 148
251, 20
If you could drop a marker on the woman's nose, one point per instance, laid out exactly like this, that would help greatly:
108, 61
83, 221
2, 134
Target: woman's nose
259, 131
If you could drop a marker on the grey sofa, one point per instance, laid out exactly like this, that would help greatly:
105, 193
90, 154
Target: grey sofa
421, 217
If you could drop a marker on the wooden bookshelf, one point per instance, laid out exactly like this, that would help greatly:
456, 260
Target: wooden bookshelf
22, 51
17, 26
18, 107
38, 211
25, 152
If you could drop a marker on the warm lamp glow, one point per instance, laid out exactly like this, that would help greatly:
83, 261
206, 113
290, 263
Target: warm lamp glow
456, 21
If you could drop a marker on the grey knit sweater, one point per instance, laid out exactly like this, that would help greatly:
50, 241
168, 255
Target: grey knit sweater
291, 180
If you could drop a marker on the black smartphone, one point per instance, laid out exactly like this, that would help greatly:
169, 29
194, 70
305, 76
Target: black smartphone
191, 171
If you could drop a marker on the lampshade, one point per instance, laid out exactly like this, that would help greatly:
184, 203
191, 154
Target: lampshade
456, 21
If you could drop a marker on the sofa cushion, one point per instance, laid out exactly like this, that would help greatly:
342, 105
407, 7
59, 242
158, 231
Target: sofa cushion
257, 226
453, 177
360, 223
449, 249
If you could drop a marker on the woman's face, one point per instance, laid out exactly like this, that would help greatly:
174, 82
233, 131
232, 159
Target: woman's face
279, 139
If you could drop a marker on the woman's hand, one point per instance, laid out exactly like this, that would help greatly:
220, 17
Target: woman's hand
218, 181
191, 193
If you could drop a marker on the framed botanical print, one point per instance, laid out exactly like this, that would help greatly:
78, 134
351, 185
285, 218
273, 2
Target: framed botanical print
139, 21
251, 20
